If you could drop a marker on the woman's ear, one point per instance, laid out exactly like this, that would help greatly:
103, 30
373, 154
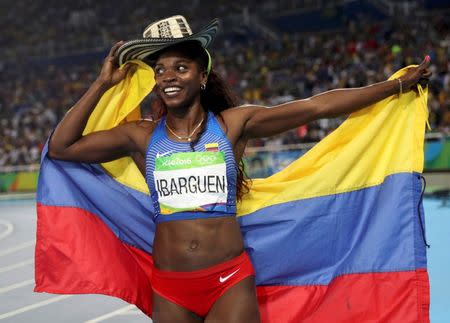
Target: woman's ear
204, 77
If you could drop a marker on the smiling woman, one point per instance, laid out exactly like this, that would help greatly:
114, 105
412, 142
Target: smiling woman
190, 159
178, 78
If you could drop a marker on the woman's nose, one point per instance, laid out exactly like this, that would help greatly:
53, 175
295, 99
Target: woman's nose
169, 76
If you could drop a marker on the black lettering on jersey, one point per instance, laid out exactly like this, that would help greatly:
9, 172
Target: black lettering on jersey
220, 184
173, 187
162, 187
192, 184
182, 183
211, 184
200, 184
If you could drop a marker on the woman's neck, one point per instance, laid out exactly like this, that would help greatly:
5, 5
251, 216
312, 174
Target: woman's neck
184, 121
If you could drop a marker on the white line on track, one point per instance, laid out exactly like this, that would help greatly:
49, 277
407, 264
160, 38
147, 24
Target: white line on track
33, 306
109, 315
16, 285
17, 265
21, 246
132, 312
9, 229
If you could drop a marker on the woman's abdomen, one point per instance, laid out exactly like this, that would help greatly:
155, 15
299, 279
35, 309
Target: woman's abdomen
188, 245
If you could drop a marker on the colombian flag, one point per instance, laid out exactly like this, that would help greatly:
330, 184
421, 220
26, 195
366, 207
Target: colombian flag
337, 236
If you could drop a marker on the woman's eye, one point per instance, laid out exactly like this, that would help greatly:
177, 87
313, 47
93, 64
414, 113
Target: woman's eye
159, 70
182, 68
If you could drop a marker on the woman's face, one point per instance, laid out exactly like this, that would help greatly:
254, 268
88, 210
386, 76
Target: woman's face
178, 79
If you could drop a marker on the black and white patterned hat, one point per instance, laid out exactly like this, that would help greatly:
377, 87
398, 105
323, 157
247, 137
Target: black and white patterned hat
164, 33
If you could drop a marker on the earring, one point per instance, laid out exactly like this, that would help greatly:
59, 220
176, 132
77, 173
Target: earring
202, 86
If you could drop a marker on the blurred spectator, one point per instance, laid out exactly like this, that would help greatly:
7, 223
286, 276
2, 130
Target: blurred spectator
261, 70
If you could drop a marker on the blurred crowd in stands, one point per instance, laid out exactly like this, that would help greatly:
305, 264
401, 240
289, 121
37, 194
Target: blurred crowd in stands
260, 69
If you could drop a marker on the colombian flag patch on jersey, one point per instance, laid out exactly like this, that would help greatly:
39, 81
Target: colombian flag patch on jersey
212, 146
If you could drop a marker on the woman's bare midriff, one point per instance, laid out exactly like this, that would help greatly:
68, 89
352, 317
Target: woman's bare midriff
188, 245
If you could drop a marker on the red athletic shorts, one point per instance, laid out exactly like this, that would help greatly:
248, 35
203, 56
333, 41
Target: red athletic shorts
197, 291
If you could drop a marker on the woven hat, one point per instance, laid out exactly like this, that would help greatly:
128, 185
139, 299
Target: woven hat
164, 33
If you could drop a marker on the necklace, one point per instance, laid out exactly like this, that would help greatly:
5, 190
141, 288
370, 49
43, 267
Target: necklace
188, 138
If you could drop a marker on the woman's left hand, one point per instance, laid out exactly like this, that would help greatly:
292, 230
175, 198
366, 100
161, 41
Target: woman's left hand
419, 74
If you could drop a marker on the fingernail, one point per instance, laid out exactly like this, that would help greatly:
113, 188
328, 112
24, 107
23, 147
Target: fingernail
427, 58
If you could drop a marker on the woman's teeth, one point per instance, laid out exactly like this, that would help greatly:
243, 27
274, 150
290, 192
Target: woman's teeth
172, 90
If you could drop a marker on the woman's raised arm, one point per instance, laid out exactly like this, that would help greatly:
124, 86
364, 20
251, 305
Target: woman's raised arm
68, 142
259, 121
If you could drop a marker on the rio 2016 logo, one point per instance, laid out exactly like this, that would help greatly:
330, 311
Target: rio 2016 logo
177, 162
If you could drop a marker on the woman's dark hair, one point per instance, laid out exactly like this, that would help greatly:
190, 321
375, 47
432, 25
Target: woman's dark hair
216, 97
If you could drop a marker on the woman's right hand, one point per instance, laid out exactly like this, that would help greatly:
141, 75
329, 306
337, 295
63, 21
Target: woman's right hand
110, 73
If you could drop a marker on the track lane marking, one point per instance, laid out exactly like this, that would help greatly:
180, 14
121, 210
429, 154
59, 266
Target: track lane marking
16, 285
21, 246
17, 265
34, 306
9, 229
135, 311
111, 314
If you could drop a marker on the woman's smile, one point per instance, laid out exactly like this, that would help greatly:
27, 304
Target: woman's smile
178, 79
172, 91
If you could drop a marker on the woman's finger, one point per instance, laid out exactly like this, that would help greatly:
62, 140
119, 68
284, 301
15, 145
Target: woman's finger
425, 63
113, 49
427, 74
125, 69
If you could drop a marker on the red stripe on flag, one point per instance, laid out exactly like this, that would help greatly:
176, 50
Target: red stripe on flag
76, 253
371, 297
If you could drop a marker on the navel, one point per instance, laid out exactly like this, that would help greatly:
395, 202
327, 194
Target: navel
193, 246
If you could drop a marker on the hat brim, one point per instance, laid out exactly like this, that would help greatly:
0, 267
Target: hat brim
142, 48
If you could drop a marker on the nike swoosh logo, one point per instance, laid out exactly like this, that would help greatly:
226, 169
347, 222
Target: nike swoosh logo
224, 279
158, 155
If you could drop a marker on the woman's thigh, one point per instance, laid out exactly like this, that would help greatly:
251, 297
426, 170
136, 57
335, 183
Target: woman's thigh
237, 305
164, 311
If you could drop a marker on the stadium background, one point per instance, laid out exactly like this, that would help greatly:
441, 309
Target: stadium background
269, 52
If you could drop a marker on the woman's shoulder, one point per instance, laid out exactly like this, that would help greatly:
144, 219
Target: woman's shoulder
138, 125
140, 130
147, 122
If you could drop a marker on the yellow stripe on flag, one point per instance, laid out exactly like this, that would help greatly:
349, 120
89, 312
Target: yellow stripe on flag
121, 103
366, 148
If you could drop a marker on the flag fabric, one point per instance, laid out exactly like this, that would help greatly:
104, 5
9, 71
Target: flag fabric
337, 236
